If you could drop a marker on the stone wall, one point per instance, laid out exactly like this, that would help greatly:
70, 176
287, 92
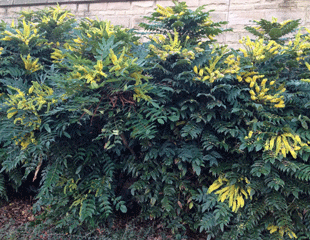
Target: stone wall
129, 13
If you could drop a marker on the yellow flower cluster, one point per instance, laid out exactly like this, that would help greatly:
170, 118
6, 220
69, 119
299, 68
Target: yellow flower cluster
58, 15
24, 141
233, 64
105, 28
24, 36
259, 91
301, 45
213, 72
119, 63
91, 75
281, 230
173, 46
165, 12
258, 50
285, 143
57, 55
30, 65
235, 194
38, 96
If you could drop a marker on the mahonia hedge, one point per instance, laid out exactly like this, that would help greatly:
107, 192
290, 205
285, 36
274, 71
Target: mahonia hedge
177, 128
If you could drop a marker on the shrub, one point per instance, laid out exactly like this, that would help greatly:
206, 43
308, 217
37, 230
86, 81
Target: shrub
200, 136
62, 84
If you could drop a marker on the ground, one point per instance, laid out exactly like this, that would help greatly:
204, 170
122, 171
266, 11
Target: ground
16, 218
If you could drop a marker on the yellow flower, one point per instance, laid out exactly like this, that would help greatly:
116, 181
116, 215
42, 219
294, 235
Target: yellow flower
30, 65
231, 192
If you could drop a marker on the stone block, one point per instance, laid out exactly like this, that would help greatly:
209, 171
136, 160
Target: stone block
29, 2
13, 10
288, 5
232, 37
69, 7
38, 7
216, 7
234, 45
218, 16
58, 1
266, 6
83, 7
135, 21
220, 38
307, 19
218, 2
244, 2
107, 12
3, 10
6, 2
98, 6
118, 6
165, 3
284, 15
241, 7
119, 20
136, 12
245, 17
143, 4
192, 3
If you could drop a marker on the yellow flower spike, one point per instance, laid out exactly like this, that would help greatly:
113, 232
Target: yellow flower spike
248, 79
250, 134
219, 192
113, 57
272, 142
234, 206
211, 37
200, 72
244, 193
217, 184
195, 69
245, 54
283, 151
274, 20
252, 84
240, 201
279, 105
278, 145
263, 83
223, 196
272, 228
296, 148
63, 16
231, 192
252, 93
239, 78
257, 88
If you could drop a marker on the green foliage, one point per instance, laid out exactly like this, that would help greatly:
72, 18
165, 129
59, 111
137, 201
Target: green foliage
273, 30
199, 136
192, 26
